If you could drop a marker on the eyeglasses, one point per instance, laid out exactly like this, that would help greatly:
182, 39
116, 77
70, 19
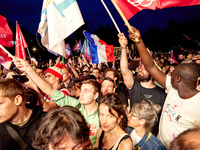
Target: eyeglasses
132, 114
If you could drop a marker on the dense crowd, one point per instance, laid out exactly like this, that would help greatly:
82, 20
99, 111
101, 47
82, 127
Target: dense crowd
141, 102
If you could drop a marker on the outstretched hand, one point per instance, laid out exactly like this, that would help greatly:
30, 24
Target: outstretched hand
122, 40
134, 35
21, 64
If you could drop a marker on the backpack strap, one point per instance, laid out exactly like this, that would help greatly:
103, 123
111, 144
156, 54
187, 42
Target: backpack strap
16, 137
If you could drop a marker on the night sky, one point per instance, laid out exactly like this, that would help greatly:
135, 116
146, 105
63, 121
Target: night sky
27, 13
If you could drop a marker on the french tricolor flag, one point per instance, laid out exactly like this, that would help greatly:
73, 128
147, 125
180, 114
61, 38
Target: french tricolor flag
100, 51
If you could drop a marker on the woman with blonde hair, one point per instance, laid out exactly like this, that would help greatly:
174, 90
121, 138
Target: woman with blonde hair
142, 119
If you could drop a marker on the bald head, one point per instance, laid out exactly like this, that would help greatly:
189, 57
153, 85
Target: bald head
189, 72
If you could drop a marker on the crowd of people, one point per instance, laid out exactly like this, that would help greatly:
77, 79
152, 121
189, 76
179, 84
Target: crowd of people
142, 102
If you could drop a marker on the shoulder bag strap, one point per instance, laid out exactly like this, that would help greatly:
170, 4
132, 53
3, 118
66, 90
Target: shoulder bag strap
16, 137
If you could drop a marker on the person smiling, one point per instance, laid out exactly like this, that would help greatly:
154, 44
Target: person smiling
113, 121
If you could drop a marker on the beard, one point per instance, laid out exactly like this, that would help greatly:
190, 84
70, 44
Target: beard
144, 78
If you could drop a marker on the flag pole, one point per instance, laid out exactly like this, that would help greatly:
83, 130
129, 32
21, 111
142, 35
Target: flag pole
29, 53
9, 54
123, 17
111, 16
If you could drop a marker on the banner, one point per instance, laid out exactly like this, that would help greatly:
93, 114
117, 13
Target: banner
59, 19
20, 43
6, 35
130, 7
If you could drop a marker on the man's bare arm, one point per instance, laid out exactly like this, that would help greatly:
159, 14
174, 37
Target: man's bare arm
146, 58
126, 73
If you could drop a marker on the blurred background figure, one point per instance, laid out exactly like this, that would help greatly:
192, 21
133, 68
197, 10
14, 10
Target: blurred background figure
63, 128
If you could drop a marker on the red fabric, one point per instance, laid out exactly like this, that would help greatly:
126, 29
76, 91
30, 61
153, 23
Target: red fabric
54, 72
6, 35
173, 60
109, 53
20, 43
5, 60
130, 7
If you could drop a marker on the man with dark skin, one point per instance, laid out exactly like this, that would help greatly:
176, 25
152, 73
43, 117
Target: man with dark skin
181, 108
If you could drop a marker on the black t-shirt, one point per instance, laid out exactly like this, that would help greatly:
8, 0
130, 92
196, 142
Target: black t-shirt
138, 93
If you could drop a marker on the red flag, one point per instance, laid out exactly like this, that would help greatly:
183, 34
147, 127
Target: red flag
20, 43
173, 60
5, 60
130, 7
6, 35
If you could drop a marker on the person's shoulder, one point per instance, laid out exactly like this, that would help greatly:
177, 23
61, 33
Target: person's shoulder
156, 142
126, 144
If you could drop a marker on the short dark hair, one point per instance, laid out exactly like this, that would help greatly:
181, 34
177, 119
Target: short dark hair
96, 69
109, 79
115, 103
11, 88
110, 69
58, 123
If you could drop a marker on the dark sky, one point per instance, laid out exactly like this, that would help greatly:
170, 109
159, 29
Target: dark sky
27, 13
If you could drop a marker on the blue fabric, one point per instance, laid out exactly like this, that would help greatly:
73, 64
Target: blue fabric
89, 38
151, 144
94, 54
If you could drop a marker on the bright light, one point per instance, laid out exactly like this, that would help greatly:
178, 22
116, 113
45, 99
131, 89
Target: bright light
34, 49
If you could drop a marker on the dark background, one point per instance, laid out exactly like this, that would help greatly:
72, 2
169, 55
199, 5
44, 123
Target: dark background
162, 30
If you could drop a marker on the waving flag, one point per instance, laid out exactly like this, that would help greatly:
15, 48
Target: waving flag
172, 60
86, 50
78, 46
100, 51
5, 60
59, 19
20, 43
6, 35
130, 7
68, 51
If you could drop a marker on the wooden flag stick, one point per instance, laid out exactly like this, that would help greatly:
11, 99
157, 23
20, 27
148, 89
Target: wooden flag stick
111, 16
123, 17
9, 54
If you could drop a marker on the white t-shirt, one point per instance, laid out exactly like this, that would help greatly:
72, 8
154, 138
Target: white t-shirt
177, 115
135, 138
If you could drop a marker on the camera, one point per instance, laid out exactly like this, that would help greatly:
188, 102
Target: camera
20, 78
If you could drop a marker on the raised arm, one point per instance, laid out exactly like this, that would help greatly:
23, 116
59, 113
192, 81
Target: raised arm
41, 83
146, 58
126, 73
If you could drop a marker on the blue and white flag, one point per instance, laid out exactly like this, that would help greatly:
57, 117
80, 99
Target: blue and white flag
59, 19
